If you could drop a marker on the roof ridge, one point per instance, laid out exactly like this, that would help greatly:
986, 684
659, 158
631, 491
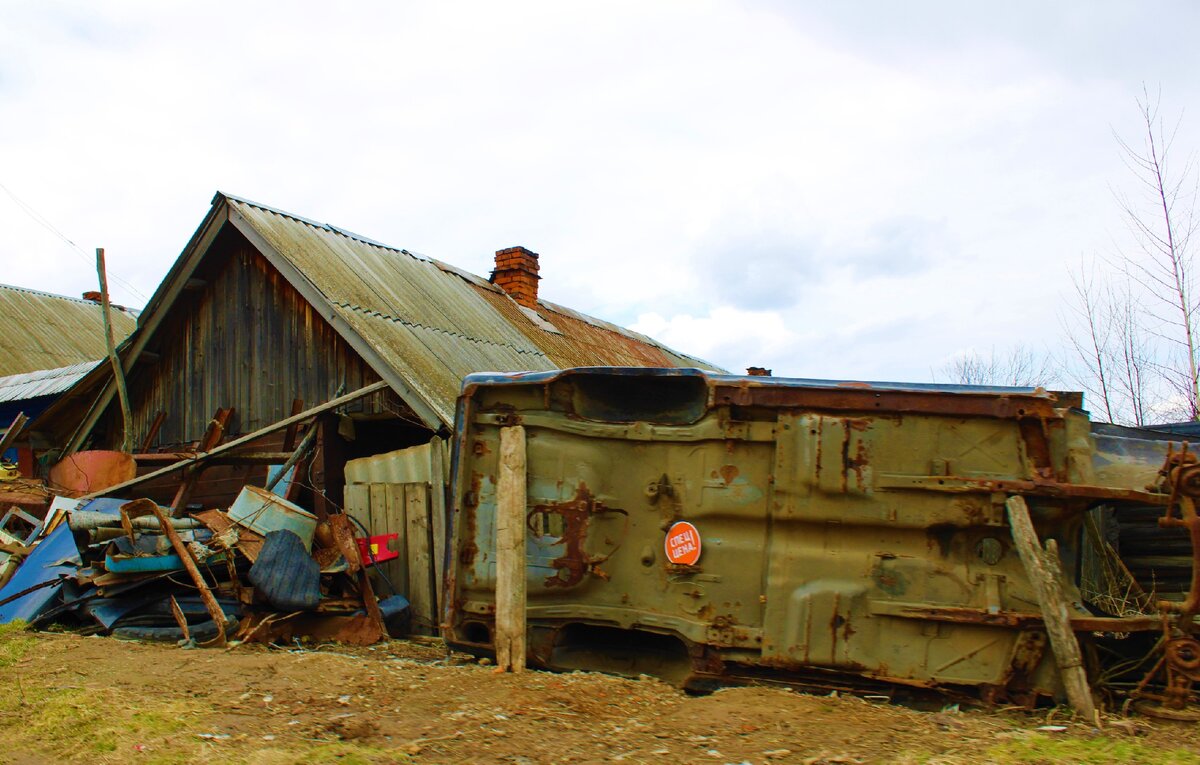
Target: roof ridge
41, 293
315, 224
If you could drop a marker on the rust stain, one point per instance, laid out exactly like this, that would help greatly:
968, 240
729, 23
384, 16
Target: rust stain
576, 513
857, 463
817, 456
845, 457
1037, 445
864, 397
469, 549
835, 622
975, 513
728, 473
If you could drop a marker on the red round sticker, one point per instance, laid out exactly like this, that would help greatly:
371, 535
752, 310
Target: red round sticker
683, 544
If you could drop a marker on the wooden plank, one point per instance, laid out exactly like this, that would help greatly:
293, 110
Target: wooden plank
289, 438
151, 317
420, 563
241, 458
331, 458
358, 503
378, 522
437, 513
510, 551
295, 457
14, 430
392, 520
152, 432
332, 404
421, 404
212, 437
1044, 570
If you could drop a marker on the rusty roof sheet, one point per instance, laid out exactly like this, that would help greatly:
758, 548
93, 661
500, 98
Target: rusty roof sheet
432, 323
44, 331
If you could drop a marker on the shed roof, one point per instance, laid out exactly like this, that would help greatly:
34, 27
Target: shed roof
44, 382
430, 323
421, 324
43, 331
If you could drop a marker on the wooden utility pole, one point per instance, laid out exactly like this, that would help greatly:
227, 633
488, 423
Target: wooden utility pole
510, 551
118, 372
1043, 568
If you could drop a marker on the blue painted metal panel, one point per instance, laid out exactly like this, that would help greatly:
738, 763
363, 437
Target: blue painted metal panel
54, 556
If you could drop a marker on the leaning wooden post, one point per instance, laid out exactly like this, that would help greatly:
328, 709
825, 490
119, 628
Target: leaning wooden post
118, 372
510, 551
1043, 567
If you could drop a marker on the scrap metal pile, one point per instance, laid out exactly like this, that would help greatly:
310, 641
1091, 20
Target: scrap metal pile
262, 570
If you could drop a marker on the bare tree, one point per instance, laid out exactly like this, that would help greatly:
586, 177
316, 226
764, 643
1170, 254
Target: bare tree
1019, 366
1113, 356
1134, 369
1134, 333
1162, 221
1091, 341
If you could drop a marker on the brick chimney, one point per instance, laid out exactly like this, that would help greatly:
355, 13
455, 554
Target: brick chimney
516, 273
758, 372
92, 295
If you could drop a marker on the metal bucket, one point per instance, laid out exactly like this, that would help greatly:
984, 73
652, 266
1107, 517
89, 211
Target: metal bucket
263, 512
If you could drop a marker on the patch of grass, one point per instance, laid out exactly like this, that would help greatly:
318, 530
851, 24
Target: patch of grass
1038, 749
75, 724
340, 752
15, 641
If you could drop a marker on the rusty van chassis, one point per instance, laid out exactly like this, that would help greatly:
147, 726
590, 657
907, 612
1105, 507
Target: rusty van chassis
854, 534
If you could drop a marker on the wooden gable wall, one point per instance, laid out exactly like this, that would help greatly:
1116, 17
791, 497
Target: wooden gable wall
243, 337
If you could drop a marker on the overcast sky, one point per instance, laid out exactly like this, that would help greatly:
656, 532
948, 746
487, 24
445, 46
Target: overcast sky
846, 190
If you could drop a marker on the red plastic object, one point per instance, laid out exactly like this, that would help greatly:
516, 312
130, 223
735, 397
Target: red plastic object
379, 548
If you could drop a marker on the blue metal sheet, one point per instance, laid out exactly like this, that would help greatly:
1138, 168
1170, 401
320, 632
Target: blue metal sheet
54, 556
108, 611
144, 564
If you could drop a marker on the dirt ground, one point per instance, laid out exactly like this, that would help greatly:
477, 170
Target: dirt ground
65, 698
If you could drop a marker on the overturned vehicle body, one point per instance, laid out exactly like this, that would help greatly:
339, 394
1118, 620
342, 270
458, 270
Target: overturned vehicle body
711, 528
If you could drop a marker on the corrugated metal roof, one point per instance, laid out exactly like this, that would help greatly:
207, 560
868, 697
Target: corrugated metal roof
434, 324
44, 382
43, 331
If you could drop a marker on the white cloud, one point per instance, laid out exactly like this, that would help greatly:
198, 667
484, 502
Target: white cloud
845, 190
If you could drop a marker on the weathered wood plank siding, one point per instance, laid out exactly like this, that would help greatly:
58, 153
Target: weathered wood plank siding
245, 339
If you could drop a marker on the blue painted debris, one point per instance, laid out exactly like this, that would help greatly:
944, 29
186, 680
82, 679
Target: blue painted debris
285, 574
55, 557
100, 571
169, 562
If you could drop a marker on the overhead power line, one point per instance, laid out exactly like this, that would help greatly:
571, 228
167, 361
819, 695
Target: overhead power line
45, 223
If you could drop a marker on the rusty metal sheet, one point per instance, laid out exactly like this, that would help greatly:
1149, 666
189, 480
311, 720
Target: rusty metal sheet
91, 471
852, 530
